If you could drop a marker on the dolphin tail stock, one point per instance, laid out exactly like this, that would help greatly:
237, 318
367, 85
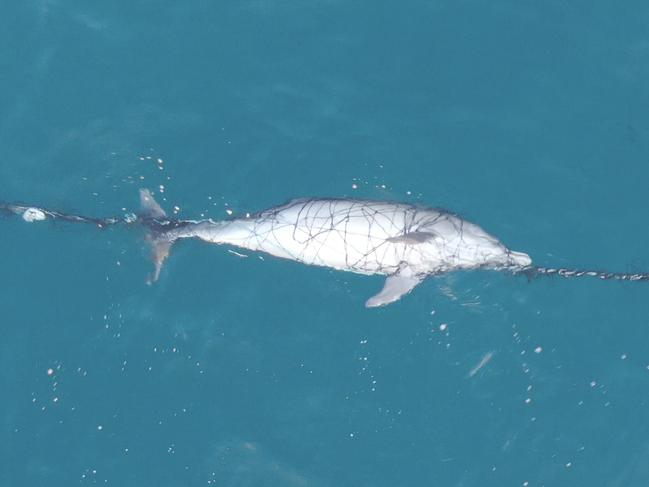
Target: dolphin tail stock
161, 231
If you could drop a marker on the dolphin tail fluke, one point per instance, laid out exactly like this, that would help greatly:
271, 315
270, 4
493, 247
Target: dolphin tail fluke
160, 250
159, 241
149, 207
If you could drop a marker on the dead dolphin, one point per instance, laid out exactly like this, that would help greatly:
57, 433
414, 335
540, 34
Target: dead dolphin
404, 242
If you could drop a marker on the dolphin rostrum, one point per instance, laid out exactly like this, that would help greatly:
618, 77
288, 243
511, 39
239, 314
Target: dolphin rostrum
404, 242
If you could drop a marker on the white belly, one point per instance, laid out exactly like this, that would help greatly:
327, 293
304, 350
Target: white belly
342, 234
360, 236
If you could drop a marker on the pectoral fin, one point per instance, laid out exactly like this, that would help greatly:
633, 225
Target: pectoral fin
396, 285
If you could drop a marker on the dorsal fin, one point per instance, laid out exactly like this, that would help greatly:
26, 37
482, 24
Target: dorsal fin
149, 207
412, 238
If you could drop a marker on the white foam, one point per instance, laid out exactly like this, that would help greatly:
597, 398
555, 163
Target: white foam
33, 215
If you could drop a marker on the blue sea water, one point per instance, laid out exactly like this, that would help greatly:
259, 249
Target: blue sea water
528, 118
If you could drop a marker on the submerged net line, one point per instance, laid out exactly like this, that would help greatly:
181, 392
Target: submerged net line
565, 272
35, 213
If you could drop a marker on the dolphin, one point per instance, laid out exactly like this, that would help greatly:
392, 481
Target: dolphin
404, 242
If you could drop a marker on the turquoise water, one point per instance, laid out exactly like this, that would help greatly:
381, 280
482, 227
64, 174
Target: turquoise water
530, 120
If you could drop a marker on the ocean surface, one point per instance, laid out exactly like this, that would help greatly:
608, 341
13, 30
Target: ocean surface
528, 118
